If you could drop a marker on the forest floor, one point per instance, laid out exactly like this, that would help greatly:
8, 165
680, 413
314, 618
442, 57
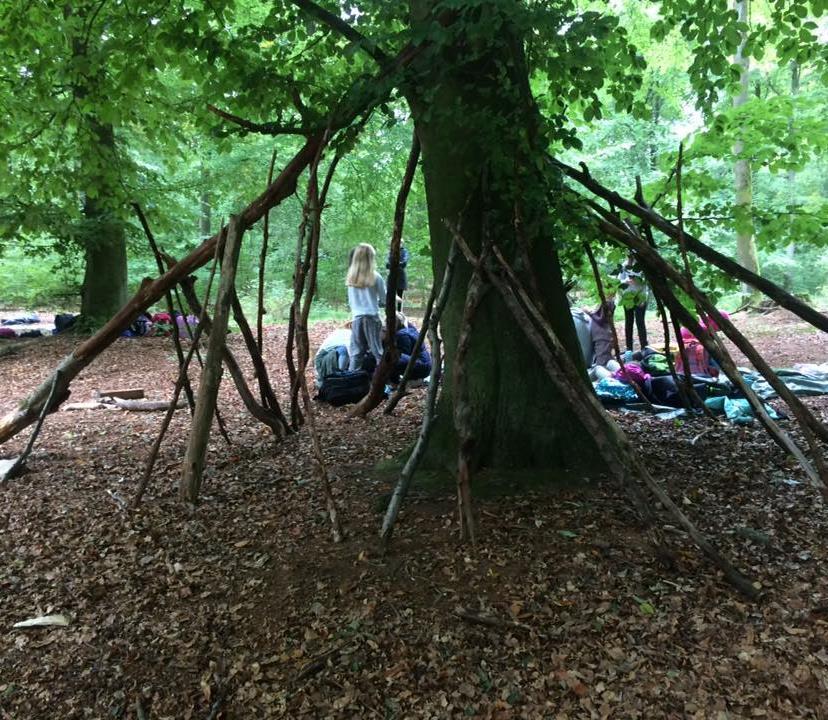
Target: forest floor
243, 607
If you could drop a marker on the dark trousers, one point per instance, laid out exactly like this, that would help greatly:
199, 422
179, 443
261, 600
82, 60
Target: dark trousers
635, 313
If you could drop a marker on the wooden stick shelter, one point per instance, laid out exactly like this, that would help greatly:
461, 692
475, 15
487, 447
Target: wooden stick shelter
491, 270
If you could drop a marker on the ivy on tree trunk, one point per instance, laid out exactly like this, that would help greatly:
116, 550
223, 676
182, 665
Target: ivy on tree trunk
481, 141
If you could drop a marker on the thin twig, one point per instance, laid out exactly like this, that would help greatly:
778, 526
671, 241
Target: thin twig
176, 337
20, 463
260, 310
407, 474
182, 373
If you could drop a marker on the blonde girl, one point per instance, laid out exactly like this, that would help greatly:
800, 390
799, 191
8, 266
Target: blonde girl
366, 295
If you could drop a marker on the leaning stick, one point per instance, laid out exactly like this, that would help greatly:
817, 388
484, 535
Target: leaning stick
301, 312
182, 374
682, 241
306, 284
263, 414
686, 391
475, 293
290, 342
410, 467
398, 394
219, 419
192, 468
260, 310
390, 353
319, 458
732, 268
308, 238
20, 462
611, 441
176, 336
688, 272
269, 398
317, 200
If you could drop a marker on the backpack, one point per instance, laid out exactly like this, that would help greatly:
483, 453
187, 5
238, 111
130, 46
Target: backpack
697, 358
656, 364
344, 387
63, 321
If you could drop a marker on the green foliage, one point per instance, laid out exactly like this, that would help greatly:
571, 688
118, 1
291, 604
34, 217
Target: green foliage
38, 280
109, 103
784, 27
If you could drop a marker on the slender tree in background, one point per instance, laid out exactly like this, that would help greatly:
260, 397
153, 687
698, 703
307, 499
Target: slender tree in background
790, 251
743, 183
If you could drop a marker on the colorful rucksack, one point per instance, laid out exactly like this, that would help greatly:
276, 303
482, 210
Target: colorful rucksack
697, 358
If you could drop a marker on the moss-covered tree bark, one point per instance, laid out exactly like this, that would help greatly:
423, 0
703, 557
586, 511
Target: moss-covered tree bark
483, 165
104, 289
102, 233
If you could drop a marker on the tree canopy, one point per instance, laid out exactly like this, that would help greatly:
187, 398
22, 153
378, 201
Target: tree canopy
615, 83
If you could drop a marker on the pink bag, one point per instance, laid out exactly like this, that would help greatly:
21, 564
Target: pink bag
632, 372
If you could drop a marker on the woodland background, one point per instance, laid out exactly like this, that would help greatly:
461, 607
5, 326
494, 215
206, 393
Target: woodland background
190, 170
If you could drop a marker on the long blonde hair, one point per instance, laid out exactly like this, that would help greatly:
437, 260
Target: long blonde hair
362, 270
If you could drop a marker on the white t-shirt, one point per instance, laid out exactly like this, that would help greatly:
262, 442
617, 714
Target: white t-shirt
340, 336
367, 300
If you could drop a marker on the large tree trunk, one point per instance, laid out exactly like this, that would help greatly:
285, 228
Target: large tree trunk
104, 290
481, 172
743, 184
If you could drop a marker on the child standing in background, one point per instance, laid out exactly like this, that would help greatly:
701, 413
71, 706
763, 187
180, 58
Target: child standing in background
366, 295
633, 297
402, 276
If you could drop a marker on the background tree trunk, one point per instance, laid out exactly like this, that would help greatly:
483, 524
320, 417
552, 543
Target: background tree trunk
205, 217
479, 154
745, 244
790, 251
104, 290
